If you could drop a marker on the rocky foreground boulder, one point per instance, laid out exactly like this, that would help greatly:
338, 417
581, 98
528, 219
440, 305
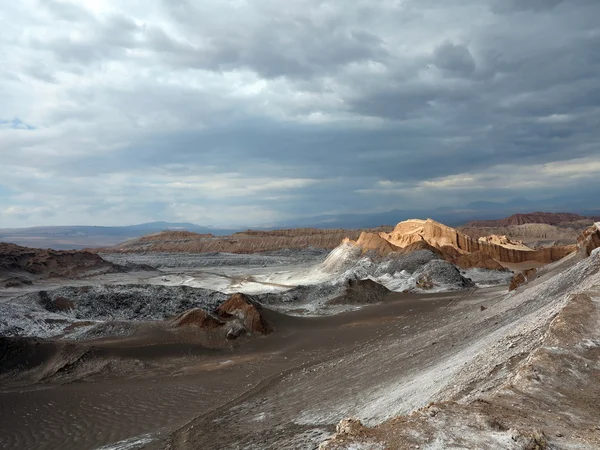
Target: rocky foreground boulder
235, 317
240, 306
439, 273
520, 278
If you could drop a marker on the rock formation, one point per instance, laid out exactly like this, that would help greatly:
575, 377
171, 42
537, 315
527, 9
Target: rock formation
504, 241
197, 317
245, 242
590, 239
521, 278
535, 217
240, 306
360, 292
536, 230
439, 273
44, 263
456, 247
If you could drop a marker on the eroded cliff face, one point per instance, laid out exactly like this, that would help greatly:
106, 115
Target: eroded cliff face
458, 248
245, 242
590, 239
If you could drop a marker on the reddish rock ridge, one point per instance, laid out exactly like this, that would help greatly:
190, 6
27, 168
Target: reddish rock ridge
521, 278
240, 306
457, 247
52, 263
198, 318
235, 317
535, 217
245, 242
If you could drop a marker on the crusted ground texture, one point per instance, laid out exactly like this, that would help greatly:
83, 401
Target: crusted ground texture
543, 398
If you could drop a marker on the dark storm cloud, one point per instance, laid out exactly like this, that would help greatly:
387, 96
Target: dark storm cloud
249, 110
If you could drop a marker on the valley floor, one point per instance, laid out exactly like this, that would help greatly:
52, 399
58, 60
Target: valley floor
303, 378
289, 389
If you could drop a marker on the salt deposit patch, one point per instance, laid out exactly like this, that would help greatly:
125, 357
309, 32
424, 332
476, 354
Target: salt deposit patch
129, 444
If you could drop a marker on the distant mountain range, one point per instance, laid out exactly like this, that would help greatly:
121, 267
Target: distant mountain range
451, 216
77, 237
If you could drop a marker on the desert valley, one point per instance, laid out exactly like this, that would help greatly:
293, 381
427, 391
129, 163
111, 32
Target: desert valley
299, 225
412, 336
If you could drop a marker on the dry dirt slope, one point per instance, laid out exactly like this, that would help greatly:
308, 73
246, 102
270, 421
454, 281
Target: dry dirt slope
464, 357
547, 399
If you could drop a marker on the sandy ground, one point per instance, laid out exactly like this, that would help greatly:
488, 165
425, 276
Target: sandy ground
178, 384
289, 389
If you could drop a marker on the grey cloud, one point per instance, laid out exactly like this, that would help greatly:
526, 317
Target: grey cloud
102, 39
67, 10
454, 58
508, 6
343, 93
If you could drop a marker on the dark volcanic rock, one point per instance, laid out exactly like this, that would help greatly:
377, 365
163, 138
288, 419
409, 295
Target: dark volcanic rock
360, 292
443, 274
127, 302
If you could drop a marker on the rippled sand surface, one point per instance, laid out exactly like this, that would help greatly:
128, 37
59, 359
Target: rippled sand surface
90, 416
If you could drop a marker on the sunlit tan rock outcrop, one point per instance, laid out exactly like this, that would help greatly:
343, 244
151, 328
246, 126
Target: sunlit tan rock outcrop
590, 239
458, 248
504, 241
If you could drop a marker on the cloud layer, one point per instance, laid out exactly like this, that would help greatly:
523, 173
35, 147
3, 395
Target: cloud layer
248, 112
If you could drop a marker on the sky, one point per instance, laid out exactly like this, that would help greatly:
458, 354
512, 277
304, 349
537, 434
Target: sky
250, 112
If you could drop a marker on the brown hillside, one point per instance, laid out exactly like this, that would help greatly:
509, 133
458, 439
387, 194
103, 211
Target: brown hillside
535, 217
44, 263
246, 242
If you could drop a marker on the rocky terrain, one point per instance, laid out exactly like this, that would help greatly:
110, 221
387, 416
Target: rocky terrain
245, 242
248, 350
536, 400
84, 313
22, 265
458, 248
536, 230
535, 217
